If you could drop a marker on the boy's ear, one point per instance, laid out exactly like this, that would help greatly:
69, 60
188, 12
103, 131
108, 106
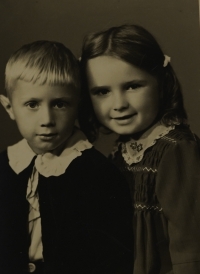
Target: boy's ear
7, 105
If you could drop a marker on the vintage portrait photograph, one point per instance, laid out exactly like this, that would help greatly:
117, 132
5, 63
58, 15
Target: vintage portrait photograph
100, 137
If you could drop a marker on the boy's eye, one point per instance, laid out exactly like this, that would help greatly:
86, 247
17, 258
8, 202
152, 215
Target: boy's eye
32, 105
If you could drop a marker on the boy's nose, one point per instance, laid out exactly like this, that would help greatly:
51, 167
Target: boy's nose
119, 101
46, 117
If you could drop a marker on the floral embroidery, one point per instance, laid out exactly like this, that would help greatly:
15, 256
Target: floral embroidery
136, 147
133, 151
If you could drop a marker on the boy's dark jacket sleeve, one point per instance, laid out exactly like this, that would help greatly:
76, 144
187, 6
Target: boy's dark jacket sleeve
86, 217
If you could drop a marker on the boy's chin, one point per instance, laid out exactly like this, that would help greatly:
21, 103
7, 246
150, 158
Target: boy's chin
44, 149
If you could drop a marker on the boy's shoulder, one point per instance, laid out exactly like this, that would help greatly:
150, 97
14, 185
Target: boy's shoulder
4, 164
92, 158
3, 156
93, 163
89, 157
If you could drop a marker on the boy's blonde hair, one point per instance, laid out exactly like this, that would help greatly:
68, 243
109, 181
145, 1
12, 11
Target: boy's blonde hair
42, 62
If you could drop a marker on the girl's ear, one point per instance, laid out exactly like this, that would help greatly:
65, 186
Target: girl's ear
7, 105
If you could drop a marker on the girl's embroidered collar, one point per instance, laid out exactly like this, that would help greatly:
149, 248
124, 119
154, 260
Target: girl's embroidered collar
133, 150
20, 156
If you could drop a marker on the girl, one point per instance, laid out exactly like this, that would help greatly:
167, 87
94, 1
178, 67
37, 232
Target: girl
131, 89
60, 199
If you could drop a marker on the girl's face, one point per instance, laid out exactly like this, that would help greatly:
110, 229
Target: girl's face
125, 98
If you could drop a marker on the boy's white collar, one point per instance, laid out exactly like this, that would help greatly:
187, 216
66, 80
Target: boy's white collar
20, 156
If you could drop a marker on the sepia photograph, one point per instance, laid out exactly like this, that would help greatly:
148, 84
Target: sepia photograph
100, 137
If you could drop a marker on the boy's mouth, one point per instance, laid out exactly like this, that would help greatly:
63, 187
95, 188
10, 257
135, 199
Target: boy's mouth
47, 137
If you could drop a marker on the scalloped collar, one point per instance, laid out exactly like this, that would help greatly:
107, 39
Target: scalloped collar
133, 150
20, 156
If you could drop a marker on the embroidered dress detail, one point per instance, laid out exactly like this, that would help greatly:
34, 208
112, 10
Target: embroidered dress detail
147, 207
136, 147
169, 139
139, 169
162, 185
133, 150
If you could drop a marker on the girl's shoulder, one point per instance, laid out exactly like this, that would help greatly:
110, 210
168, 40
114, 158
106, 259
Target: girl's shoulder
181, 138
155, 145
181, 133
181, 142
178, 146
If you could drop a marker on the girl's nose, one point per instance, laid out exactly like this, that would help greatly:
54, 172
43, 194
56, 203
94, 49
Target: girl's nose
47, 117
120, 102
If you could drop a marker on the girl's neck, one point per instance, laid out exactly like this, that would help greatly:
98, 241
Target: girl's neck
144, 133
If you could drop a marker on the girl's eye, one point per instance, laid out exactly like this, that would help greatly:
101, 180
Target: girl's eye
102, 92
133, 86
32, 105
60, 105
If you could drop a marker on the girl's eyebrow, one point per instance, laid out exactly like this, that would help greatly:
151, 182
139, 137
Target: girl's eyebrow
132, 82
135, 81
62, 98
97, 88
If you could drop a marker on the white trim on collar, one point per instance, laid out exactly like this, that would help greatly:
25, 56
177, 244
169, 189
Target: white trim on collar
133, 150
20, 156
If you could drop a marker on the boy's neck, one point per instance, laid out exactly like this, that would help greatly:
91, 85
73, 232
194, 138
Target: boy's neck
57, 151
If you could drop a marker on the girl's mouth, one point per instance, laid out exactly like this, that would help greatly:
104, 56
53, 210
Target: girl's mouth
125, 120
124, 117
49, 134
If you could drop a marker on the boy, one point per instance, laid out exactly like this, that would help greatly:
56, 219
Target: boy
64, 208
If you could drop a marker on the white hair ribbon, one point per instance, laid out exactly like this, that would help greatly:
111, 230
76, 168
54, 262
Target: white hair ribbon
166, 61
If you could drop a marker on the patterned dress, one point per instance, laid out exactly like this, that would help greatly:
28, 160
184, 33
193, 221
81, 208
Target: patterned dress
163, 172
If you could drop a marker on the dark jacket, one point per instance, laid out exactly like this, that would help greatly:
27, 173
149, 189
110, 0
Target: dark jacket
85, 215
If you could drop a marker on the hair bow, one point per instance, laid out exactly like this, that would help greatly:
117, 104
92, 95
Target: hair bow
166, 60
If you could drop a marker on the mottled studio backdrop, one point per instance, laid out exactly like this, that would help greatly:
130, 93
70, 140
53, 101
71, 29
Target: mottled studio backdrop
175, 24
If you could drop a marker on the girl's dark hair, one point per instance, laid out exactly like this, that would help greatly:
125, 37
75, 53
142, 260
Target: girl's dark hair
136, 46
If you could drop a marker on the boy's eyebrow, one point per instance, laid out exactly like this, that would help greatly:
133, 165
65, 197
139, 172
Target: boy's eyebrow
38, 99
30, 98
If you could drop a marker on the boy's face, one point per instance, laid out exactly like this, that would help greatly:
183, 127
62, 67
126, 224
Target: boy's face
45, 114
